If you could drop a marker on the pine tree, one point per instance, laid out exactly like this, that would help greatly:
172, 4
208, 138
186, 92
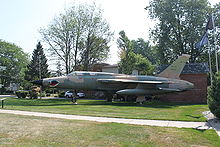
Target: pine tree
38, 67
214, 96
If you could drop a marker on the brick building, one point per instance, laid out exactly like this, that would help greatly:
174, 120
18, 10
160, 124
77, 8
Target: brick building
196, 73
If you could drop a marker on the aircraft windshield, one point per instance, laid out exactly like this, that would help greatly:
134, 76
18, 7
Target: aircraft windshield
86, 73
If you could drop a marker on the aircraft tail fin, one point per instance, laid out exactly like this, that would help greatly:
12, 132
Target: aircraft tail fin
175, 69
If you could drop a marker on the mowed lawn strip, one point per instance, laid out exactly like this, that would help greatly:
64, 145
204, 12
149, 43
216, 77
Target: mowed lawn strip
149, 110
39, 131
101, 108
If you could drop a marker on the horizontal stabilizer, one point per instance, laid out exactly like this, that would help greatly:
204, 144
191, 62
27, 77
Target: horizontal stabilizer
129, 81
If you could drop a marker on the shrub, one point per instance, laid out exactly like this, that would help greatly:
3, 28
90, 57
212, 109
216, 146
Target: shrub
33, 95
61, 94
214, 96
47, 94
50, 91
21, 94
42, 94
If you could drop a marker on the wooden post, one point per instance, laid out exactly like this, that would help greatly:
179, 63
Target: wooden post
2, 100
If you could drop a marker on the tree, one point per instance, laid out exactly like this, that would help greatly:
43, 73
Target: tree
15, 61
180, 23
96, 50
79, 37
216, 13
205, 55
143, 47
214, 96
143, 65
130, 59
38, 67
58, 37
59, 69
125, 54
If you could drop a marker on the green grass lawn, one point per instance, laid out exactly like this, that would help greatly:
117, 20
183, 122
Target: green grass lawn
25, 131
150, 110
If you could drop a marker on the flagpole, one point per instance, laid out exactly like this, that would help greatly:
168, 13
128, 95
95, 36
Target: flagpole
210, 64
216, 54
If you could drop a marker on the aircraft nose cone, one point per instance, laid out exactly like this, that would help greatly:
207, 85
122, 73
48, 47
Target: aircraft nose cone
38, 82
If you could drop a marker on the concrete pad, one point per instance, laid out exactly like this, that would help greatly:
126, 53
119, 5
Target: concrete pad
7, 96
162, 123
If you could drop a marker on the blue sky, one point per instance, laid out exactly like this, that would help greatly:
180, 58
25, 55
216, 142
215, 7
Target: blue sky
21, 20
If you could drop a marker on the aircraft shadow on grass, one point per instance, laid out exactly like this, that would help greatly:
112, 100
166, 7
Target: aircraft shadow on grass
65, 102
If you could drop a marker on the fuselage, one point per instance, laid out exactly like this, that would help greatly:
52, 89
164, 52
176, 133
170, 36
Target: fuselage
91, 81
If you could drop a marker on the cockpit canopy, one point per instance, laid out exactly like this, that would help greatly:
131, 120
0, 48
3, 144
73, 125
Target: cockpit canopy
87, 73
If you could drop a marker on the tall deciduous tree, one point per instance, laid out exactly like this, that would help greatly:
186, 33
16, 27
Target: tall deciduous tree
180, 25
15, 61
143, 47
125, 54
59, 69
38, 67
204, 56
80, 36
132, 57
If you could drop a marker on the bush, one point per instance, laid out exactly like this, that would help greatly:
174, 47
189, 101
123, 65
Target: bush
33, 95
43, 94
47, 94
61, 94
21, 93
50, 91
214, 96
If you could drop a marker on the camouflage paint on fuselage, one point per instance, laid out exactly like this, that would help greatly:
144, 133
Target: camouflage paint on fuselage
124, 84
91, 81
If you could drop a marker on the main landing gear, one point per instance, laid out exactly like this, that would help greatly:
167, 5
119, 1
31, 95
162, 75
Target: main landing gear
74, 98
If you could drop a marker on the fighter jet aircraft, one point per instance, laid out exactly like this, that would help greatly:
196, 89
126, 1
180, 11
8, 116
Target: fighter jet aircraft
137, 85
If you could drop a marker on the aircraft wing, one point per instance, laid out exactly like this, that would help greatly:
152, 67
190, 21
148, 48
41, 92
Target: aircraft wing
130, 81
142, 87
